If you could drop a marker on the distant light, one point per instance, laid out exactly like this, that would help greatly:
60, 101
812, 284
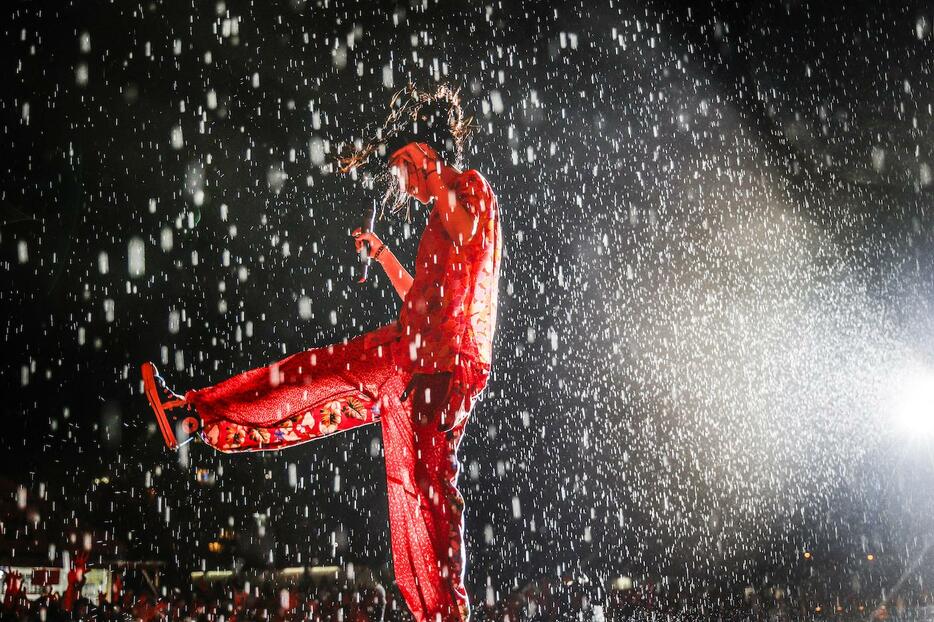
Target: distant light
870, 557
314, 571
215, 547
622, 583
913, 402
205, 476
212, 575
807, 555
319, 571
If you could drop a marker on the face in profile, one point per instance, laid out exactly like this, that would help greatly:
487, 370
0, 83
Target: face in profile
404, 178
406, 166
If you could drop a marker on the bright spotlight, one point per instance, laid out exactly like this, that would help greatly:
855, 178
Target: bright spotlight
914, 402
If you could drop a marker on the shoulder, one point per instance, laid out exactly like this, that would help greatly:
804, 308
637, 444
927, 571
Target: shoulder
472, 181
473, 189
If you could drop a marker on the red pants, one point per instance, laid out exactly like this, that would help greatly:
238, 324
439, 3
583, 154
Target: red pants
328, 390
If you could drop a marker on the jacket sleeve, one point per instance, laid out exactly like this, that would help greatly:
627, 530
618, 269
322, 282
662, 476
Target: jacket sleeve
474, 194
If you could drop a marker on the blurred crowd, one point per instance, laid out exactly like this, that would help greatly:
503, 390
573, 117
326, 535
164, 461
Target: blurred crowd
229, 602
546, 600
550, 599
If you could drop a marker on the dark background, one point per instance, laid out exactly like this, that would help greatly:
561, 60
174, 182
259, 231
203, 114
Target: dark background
716, 276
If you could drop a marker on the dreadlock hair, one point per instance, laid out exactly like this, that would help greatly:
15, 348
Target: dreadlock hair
433, 117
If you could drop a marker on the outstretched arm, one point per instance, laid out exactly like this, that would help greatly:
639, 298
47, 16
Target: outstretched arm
399, 277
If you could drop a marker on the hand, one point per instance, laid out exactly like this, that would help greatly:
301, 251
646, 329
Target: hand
361, 237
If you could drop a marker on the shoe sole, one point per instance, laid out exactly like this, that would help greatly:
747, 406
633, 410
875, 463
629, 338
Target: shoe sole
152, 394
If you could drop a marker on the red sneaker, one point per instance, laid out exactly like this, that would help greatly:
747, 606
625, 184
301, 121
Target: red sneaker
155, 386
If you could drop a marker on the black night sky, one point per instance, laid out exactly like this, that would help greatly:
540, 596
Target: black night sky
714, 349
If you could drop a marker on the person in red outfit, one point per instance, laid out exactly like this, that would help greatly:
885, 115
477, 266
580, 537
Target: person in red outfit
76, 581
417, 377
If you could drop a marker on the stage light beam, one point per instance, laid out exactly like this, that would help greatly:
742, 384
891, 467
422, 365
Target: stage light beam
914, 403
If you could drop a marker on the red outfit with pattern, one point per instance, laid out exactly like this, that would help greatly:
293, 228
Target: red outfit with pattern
445, 335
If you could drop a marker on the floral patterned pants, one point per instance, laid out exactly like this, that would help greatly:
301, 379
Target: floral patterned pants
323, 391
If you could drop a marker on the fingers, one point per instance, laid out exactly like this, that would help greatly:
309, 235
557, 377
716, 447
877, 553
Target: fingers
362, 236
367, 242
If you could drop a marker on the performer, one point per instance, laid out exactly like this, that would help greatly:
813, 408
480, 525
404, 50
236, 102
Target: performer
417, 377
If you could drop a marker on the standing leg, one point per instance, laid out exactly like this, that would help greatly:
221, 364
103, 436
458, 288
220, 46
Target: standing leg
450, 515
412, 527
439, 564
437, 472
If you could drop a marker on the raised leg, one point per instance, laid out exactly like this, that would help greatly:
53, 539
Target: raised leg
162, 400
304, 397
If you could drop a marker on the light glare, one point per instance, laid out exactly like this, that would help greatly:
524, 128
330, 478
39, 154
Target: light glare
914, 403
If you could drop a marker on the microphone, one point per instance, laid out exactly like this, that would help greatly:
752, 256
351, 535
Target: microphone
368, 224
